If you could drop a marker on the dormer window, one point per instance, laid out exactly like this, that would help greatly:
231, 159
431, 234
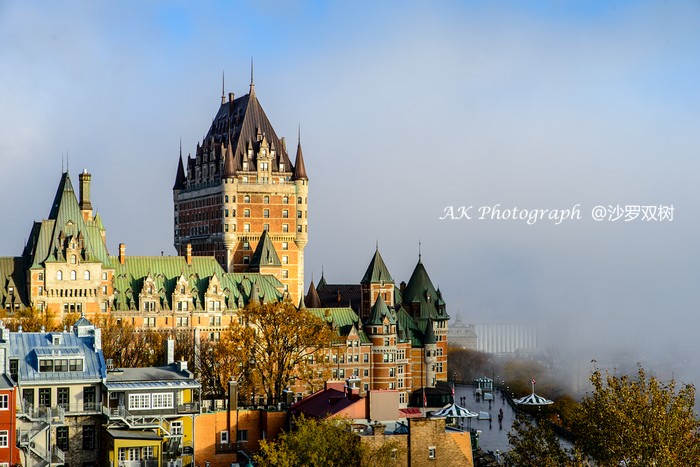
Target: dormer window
59, 275
281, 166
73, 258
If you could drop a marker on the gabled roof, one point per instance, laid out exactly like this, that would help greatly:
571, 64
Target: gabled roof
338, 295
265, 253
377, 271
421, 298
241, 121
343, 320
166, 271
65, 222
379, 312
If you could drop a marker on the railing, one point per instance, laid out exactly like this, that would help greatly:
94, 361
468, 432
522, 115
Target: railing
57, 453
130, 419
139, 463
51, 415
192, 407
226, 447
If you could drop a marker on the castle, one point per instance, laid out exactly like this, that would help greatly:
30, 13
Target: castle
240, 229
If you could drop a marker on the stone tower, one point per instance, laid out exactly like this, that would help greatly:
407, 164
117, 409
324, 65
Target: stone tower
239, 184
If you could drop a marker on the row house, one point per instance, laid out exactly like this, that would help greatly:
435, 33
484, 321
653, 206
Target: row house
59, 377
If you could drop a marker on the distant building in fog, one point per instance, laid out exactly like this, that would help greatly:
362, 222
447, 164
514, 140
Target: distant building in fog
462, 335
506, 339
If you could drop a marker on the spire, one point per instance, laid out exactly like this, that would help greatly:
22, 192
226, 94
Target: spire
252, 83
419, 256
180, 179
429, 334
302, 305
299, 167
254, 294
265, 253
376, 271
229, 163
312, 299
223, 89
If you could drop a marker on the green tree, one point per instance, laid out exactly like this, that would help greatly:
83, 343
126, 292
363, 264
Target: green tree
468, 364
534, 444
638, 422
323, 443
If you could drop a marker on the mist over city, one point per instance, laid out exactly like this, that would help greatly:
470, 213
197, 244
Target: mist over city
403, 109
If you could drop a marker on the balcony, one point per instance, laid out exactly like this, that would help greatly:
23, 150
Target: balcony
139, 463
192, 407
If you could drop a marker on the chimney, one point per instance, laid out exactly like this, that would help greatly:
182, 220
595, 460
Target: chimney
85, 205
98, 339
122, 253
232, 395
169, 351
378, 429
230, 97
188, 254
182, 365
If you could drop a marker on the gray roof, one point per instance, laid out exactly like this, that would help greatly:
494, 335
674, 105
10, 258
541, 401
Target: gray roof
153, 377
133, 434
28, 346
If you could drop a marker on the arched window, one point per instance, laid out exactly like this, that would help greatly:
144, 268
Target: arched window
226, 199
73, 259
87, 275
73, 275
285, 200
266, 199
59, 276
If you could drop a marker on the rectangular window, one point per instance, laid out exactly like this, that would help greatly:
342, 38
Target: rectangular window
431, 452
366, 373
223, 437
162, 400
246, 227
62, 438
242, 436
44, 397
89, 398
75, 364
147, 453
4, 439
285, 214
4, 401
285, 228
139, 401
298, 214
266, 213
88, 437
285, 274
45, 366
14, 368
176, 428
285, 260
246, 213
285, 246
365, 358
62, 396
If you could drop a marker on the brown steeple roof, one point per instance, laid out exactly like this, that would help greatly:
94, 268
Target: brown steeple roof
299, 168
312, 300
180, 179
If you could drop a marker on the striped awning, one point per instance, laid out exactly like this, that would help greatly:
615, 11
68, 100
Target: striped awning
533, 399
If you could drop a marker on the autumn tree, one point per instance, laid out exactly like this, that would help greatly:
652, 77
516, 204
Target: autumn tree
626, 421
129, 347
638, 422
270, 346
323, 443
31, 320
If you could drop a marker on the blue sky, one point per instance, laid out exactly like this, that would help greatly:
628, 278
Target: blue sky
405, 108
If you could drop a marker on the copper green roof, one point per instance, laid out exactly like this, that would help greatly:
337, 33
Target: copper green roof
265, 253
377, 271
49, 237
343, 320
421, 298
379, 312
407, 329
166, 271
12, 276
